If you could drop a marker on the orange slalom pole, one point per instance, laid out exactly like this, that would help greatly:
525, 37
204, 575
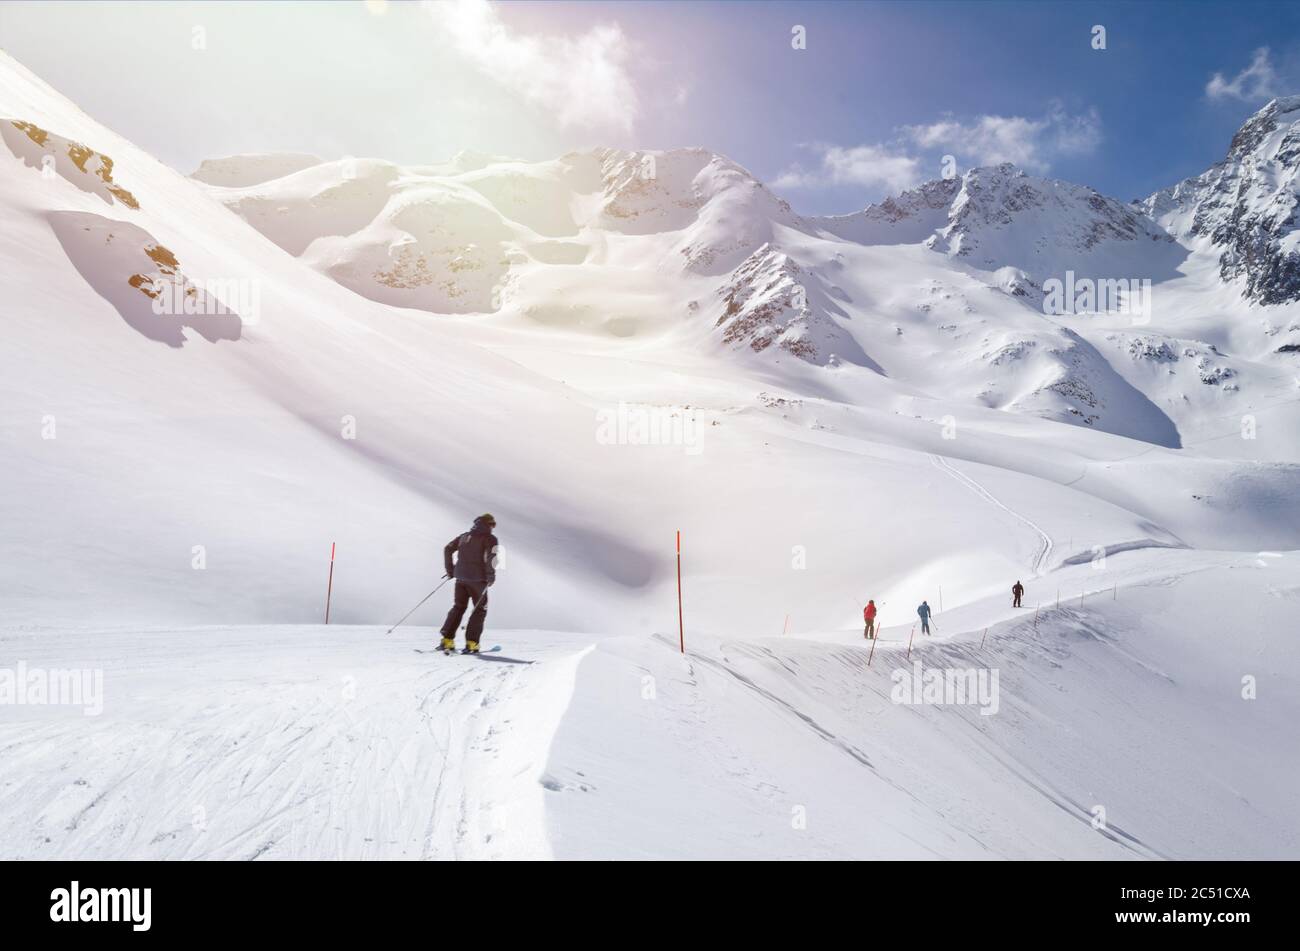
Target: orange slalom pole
872, 653
909, 641
681, 629
329, 589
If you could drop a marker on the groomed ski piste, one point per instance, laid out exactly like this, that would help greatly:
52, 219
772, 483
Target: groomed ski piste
290, 741
169, 502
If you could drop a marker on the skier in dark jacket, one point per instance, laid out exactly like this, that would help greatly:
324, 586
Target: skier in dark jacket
474, 571
923, 612
1017, 592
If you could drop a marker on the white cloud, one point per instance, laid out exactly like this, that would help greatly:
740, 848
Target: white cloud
582, 80
1032, 144
873, 166
1073, 135
1255, 83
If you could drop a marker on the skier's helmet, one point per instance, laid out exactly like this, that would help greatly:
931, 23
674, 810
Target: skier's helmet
487, 519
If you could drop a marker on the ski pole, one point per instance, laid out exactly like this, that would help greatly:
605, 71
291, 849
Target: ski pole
416, 608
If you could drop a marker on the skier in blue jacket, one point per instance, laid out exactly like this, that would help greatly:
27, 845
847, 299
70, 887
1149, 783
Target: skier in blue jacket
924, 613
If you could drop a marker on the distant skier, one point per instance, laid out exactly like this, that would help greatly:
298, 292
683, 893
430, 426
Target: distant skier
474, 571
869, 615
1017, 592
923, 612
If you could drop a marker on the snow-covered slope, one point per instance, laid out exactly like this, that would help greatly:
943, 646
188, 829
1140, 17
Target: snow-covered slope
238, 171
685, 247
1118, 730
205, 385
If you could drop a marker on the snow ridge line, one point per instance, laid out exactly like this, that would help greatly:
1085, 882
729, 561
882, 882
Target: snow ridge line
1045, 540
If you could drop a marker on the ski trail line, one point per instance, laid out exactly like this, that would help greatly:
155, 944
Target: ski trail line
1045, 540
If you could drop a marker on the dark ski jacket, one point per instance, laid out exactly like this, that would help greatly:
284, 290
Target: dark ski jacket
924, 611
477, 553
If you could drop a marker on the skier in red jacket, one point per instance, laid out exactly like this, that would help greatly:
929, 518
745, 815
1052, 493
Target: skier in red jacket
869, 615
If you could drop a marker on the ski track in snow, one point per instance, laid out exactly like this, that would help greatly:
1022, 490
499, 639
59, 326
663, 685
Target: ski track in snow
314, 742
252, 756
1045, 541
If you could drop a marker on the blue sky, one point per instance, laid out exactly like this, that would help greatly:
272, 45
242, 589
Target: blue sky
879, 95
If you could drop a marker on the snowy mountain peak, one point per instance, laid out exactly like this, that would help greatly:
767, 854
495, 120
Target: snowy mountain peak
1002, 197
724, 213
652, 190
930, 196
1026, 229
771, 300
1258, 128
997, 217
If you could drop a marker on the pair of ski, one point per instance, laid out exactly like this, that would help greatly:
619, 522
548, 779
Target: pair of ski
489, 654
438, 650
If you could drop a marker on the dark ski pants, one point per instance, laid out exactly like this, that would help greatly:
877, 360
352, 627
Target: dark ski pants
465, 592
925, 625
871, 629
1017, 602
